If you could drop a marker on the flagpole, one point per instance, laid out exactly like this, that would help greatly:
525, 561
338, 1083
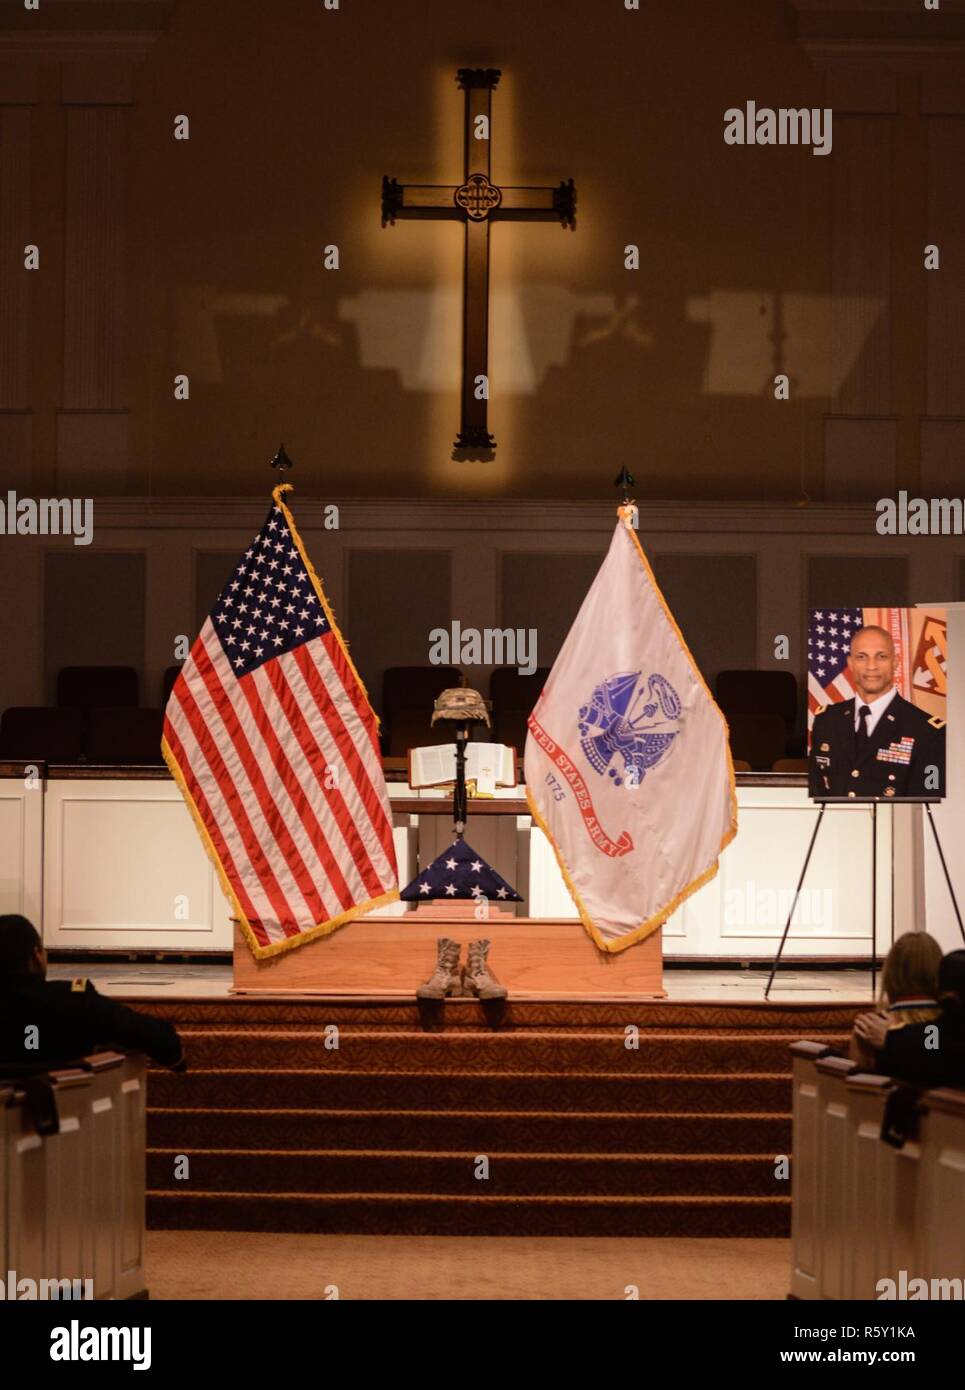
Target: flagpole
627, 510
624, 480
282, 462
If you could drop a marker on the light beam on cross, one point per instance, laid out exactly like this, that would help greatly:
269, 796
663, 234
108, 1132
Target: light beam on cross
477, 202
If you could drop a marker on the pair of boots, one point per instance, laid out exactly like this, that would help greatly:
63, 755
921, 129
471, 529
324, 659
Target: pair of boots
448, 979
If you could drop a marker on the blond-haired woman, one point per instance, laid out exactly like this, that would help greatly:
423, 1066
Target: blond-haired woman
909, 994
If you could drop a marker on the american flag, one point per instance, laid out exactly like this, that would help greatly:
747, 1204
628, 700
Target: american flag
271, 738
829, 642
459, 872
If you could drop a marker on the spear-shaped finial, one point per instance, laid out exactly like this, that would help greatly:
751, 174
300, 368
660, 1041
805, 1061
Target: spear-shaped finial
624, 480
281, 461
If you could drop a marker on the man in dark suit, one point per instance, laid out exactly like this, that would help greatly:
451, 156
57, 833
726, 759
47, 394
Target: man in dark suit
877, 744
45, 1021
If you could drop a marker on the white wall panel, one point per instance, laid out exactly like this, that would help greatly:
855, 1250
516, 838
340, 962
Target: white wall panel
122, 860
109, 864
21, 847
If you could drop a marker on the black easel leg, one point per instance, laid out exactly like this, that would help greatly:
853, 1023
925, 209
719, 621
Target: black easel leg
874, 894
948, 880
797, 894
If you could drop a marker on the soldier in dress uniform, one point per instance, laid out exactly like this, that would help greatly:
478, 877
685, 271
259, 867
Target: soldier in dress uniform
877, 744
45, 1021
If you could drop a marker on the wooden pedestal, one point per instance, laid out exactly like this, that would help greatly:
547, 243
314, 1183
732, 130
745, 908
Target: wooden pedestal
389, 957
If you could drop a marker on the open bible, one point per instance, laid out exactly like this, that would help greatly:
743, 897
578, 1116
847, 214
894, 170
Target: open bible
488, 766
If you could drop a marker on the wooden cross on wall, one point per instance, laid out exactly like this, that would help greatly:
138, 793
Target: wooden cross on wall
478, 202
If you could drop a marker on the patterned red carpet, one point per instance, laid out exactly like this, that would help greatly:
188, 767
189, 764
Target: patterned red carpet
530, 1119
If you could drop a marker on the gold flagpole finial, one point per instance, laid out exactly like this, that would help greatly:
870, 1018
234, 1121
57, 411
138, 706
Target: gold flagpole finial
282, 462
627, 510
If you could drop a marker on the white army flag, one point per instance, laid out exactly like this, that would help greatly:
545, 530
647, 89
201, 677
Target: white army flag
628, 767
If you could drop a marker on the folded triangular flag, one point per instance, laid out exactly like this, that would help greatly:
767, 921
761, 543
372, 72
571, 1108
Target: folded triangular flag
459, 872
628, 769
270, 736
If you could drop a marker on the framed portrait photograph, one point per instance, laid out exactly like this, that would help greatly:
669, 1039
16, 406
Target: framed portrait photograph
877, 681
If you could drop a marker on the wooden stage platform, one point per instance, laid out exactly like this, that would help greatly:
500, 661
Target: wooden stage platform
389, 957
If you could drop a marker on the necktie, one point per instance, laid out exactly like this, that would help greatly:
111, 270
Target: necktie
861, 736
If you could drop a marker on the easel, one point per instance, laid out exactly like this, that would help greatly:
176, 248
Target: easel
874, 803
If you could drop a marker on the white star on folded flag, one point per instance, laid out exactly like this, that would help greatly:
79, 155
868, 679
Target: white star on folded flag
459, 872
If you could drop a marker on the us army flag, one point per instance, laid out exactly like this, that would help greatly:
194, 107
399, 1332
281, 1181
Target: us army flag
628, 768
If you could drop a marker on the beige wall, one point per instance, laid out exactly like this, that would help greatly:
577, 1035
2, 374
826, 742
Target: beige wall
205, 257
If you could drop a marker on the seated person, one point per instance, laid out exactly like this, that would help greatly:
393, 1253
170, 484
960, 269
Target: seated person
929, 1053
909, 990
47, 1021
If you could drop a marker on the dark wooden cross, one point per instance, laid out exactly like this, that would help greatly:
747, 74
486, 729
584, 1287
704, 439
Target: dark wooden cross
477, 202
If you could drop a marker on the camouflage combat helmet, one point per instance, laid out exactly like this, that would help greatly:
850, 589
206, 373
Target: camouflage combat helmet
460, 705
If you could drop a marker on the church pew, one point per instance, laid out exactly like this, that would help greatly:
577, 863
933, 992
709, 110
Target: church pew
7, 1121
942, 1197
871, 1186
105, 1197
33, 1168
73, 1202
805, 1168
24, 1197
834, 1167
67, 1181
131, 1117
862, 1210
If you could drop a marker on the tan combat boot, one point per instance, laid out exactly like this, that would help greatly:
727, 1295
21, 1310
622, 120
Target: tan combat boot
479, 979
446, 979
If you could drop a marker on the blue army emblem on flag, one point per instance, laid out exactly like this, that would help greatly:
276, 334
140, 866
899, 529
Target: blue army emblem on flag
634, 719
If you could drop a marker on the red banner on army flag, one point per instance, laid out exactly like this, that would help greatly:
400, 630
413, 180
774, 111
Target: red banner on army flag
628, 768
270, 736
581, 793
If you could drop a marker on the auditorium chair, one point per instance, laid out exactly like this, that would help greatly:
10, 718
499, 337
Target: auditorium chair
790, 765
49, 735
758, 739
83, 687
513, 698
742, 693
408, 695
124, 736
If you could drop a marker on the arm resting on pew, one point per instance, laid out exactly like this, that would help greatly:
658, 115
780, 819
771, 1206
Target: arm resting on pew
113, 1022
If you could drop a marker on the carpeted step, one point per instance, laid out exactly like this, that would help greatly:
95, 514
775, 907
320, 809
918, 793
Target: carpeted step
584, 1136
760, 1092
325, 1172
433, 1130
408, 1214
549, 1051
663, 1015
